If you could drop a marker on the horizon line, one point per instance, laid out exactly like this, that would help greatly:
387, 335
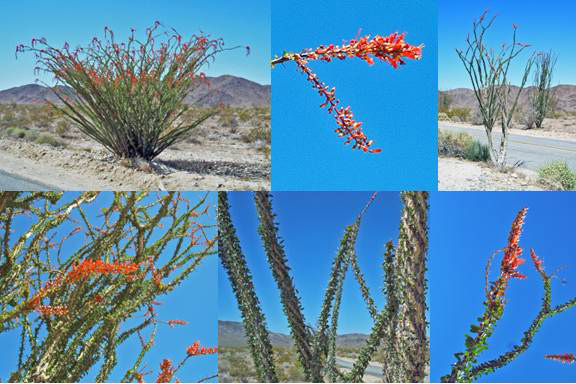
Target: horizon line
36, 82
289, 335
514, 85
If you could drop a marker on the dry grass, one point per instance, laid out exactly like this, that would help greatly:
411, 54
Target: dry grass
30, 122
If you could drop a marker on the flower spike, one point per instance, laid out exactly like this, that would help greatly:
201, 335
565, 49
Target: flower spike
390, 49
567, 358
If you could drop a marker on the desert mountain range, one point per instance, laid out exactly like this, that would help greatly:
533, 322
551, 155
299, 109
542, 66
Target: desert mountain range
231, 334
228, 90
565, 97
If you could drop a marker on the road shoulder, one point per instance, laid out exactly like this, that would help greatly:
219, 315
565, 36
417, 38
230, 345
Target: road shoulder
45, 174
461, 175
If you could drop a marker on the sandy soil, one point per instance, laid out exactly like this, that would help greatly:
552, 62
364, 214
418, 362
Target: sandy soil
201, 167
564, 128
217, 158
462, 175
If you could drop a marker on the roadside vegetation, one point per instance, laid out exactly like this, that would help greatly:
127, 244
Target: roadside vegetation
463, 146
235, 364
34, 123
43, 124
557, 176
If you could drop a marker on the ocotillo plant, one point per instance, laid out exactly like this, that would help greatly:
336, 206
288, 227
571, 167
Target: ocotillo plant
542, 96
129, 94
76, 287
400, 327
488, 71
390, 49
467, 368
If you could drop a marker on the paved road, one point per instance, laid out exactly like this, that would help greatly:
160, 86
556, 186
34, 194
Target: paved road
534, 151
9, 182
371, 370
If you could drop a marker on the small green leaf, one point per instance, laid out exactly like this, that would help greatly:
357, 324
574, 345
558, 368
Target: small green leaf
469, 342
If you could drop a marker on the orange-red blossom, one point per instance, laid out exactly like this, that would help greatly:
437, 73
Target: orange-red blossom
567, 358
51, 311
344, 118
89, 267
43, 292
195, 350
511, 260
166, 372
173, 323
390, 49
78, 272
537, 262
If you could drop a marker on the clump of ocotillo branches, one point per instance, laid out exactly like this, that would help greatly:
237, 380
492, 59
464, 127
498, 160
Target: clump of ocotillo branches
400, 328
467, 369
80, 275
129, 95
488, 70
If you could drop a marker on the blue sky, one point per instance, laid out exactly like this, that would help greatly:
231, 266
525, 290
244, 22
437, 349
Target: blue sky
312, 225
397, 107
465, 229
239, 23
194, 301
544, 25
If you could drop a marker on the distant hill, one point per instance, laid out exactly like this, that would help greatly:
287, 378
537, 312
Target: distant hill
231, 334
565, 96
228, 90
32, 94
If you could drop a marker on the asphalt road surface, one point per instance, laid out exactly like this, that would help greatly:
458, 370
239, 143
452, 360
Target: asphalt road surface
535, 152
371, 370
9, 182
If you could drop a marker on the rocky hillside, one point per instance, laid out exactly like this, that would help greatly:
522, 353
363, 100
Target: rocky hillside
228, 90
231, 334
565, 97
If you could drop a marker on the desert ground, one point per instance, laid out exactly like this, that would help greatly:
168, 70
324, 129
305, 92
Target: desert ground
235, 365
461, 175
229, 151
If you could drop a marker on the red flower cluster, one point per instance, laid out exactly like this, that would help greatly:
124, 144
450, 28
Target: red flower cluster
391, 49
89, 267
51, 311
511, 260
344, 118
537, 262
156, 275
510, 263
43, 292
174, 323
166, 372
567, 358
195, 350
